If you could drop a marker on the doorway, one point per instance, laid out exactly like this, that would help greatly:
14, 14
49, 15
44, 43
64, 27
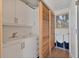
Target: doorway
62, 31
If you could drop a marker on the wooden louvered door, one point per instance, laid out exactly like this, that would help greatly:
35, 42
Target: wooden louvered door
44, 31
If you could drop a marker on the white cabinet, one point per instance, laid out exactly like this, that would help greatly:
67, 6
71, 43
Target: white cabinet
17, 13
22, 48
24, 14
12, 51
30, 50
9, 11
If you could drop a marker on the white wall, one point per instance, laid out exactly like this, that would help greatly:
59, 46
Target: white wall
72, 29
35, 28
36, 22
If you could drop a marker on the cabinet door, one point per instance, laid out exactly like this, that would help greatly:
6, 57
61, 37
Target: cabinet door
9, 11
19, 12
24, 14
12, 51
28, 49
33, 47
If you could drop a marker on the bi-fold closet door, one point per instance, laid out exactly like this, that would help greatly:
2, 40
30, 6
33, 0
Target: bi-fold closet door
46, 40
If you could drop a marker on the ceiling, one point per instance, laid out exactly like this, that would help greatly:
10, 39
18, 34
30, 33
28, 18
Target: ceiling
58, 4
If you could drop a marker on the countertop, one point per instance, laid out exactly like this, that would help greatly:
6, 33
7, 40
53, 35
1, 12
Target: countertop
18, 39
